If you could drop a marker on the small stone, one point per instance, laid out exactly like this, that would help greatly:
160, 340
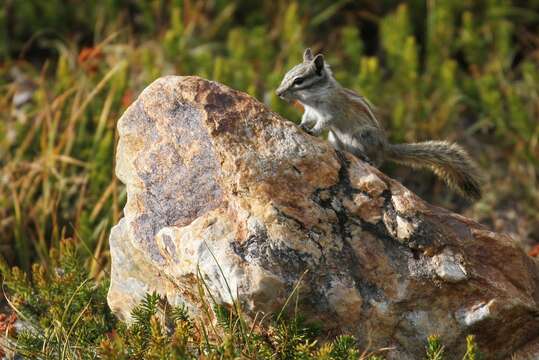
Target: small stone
404, 201
475, 314
365, 208
325, 195
447, 267
405, 228
361, 178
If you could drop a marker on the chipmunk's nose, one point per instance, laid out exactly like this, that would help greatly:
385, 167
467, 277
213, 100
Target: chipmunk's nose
280, 92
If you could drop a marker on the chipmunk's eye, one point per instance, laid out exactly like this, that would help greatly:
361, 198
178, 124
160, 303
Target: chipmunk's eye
298, 81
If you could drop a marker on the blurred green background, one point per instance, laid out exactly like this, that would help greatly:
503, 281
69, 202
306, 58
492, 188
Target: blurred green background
465, 71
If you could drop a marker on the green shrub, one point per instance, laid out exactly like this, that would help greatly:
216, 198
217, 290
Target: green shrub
64, 315
64, 312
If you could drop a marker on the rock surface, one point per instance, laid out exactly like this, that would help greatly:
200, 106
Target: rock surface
222, 188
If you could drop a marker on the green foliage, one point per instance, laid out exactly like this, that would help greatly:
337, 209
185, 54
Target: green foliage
344, 347
435, 349
65, 315
149, 337
472, 350
158, 332
224, 316
64, 311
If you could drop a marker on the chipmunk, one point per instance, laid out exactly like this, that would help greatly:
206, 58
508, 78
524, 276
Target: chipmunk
353, 127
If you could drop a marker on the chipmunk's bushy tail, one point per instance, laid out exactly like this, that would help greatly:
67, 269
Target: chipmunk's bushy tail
449, 161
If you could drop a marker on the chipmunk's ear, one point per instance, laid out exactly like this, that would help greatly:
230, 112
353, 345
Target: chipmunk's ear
319, 63
307, 55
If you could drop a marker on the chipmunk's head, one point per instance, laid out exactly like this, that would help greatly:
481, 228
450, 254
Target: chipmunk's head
306, 81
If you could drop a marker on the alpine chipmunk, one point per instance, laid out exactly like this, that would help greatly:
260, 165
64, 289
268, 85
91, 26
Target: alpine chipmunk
353, 127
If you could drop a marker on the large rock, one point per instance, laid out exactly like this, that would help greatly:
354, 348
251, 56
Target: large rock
222, 188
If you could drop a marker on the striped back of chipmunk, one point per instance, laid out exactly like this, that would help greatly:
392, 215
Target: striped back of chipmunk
360, 109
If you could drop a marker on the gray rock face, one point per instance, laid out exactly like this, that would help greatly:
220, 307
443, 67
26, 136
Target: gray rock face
222, 189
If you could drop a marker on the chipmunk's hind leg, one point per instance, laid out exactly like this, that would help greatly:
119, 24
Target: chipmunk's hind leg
370, 142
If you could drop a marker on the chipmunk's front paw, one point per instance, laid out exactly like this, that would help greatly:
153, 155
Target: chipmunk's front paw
367, 160
306, 129
363, 157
